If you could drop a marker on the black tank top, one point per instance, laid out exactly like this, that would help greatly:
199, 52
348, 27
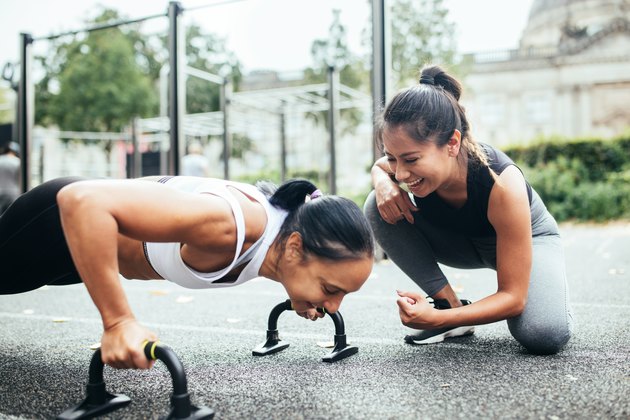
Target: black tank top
472, 218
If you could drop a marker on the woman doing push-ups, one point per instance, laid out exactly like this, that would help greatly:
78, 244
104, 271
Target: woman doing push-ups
196, 232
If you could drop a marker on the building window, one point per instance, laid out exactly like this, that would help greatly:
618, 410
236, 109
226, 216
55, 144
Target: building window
492, 110
537, 107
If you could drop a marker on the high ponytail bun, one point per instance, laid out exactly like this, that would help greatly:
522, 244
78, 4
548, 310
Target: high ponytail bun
441, 78
290, 195
430, 111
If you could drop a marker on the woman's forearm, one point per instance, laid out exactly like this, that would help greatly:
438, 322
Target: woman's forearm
380, 172
496, 307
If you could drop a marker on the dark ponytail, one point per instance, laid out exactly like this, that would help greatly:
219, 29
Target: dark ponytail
430, 111
331, 227
290, 195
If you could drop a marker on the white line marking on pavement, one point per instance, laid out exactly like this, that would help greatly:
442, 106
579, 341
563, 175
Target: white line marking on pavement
218, 330
356, 296
256, 333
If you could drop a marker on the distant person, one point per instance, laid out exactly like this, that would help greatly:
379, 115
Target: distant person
9, 175
195, 163
196, 232
470, 207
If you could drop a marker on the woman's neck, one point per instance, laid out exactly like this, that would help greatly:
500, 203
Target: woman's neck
455, 190
270, 267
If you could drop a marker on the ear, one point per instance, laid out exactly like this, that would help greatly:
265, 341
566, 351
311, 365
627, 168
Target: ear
454, 143
294, 251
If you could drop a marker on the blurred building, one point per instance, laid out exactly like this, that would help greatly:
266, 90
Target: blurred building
570, 75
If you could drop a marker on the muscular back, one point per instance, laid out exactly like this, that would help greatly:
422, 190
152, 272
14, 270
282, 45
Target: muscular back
134, 265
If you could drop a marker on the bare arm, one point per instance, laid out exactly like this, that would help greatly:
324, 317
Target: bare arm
393, 202
381, 171
509, 213
93, 213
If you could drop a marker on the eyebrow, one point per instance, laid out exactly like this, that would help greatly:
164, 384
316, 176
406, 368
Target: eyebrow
404, 154
339, 289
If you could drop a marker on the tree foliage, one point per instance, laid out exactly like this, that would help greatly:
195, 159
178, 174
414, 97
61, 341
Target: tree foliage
94, 83
99, 81
207, 52
420, 34
334, 51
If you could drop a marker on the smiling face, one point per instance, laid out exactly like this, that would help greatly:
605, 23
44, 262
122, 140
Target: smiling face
315, 282
423, 166
319, 284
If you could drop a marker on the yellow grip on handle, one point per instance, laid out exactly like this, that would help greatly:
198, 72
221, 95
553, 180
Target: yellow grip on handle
151, 351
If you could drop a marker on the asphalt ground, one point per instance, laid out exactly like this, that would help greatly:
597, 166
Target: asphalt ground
46, 335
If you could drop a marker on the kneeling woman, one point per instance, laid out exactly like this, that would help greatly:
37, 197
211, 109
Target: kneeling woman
197, 232
471, 208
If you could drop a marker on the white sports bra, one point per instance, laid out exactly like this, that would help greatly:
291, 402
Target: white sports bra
166, 259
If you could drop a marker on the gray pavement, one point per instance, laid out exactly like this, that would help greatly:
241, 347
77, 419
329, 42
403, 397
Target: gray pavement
46, 336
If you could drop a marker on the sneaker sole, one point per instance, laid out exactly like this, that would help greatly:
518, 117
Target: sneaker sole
457, 332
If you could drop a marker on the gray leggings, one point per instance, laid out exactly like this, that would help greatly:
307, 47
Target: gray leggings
545, 325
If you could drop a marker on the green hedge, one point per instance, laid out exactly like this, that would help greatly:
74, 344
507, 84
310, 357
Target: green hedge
585, 179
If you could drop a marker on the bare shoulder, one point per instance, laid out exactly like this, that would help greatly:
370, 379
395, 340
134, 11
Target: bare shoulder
509, 185
509, 201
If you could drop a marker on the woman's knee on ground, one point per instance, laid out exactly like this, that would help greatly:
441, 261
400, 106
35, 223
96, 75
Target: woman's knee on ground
542, 335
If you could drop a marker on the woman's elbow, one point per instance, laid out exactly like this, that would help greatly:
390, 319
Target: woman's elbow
516, 306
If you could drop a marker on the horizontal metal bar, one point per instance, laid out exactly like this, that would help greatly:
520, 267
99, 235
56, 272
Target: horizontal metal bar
98, 27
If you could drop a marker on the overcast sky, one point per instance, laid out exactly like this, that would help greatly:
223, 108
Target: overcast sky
270, 34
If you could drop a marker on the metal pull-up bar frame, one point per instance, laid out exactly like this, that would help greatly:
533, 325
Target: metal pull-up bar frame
25, 109
176, 88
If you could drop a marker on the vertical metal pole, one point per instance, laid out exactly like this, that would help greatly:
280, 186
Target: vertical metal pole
283, 141
333, 118
381, 59
25, 109
176, 90
164, 141
226, 93
136, 164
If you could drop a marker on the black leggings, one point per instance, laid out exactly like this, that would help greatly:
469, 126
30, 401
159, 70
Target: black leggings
33, 248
